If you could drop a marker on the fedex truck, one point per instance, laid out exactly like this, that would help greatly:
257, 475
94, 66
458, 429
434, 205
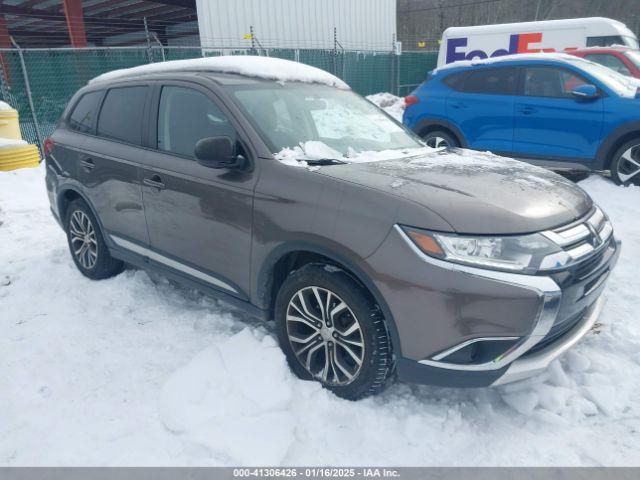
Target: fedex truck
468, 43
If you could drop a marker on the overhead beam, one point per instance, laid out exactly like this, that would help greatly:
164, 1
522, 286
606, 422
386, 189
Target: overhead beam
177, 3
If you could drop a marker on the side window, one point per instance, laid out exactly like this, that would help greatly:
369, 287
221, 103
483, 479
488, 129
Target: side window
550, 82
498, 81
186, 116
455, 81
83, 114
605, 41
121, 114
610, 61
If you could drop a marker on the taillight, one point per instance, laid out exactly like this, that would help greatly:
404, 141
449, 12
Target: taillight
48, 146
410, 100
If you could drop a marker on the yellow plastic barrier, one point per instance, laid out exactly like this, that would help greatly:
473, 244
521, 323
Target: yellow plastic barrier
14, 155
19, 156
9, 125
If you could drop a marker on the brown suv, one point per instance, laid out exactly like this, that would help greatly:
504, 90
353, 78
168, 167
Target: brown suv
300, 201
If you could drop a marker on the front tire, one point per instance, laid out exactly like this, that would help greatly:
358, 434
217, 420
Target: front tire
440, 139
86, 243
331, 331
625, 165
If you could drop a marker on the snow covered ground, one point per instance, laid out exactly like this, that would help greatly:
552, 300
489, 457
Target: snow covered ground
135, 371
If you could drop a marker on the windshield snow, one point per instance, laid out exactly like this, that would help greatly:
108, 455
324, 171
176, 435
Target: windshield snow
316, 121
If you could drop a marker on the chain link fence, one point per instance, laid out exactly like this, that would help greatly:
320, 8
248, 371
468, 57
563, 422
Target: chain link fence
40, 82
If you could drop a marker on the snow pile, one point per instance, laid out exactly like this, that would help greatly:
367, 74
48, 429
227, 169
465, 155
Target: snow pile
248, 65
136, 371
10, 142
211, 400
391, 104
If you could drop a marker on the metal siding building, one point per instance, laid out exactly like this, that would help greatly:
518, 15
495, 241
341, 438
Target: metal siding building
368, 25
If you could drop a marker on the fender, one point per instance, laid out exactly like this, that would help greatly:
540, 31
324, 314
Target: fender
602, 156
429, 121
266, 274
71, 185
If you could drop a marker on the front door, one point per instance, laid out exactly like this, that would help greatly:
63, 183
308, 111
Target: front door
550, 123
199, 218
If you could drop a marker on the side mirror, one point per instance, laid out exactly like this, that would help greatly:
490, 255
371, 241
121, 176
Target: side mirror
585, 92
216, 152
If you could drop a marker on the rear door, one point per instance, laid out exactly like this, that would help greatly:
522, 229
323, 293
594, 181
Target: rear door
550, 123
108, 165
199, 218
481, 106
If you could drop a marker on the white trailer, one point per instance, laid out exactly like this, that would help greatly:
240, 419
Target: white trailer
467, 43
367, 25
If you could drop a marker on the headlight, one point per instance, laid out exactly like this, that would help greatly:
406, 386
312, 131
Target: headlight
525, 253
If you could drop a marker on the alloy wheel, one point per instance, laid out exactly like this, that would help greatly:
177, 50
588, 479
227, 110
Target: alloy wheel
325, 335
83, 239
437, 142
629, 164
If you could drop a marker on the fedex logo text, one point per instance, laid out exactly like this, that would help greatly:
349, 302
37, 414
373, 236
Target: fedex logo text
518, 43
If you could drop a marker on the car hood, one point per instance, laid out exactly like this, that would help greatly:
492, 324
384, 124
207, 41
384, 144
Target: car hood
474, 192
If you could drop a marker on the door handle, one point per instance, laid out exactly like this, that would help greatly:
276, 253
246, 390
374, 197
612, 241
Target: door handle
459, 105
154, 182
87, 164
527, 110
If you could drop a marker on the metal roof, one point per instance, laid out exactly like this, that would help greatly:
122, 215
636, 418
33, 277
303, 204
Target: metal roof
42, 23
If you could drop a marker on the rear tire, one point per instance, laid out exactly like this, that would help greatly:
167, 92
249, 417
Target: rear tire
322, 316
440, 139
625, 164
86, 243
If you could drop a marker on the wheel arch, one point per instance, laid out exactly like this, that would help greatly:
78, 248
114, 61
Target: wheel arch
613, 142
68, 194
427, 125
292, 256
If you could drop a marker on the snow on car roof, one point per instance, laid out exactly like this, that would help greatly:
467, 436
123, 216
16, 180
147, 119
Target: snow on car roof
247, 65
563, 57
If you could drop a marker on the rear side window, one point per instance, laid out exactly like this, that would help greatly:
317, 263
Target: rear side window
550, 82
610, 61
496, 81
455, 81
84, 113
186, 116
121, 114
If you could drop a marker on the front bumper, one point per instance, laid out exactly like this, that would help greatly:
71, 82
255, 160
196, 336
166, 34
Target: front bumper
560, 308
534, 363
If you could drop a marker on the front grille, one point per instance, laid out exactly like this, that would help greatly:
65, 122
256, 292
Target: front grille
581, 239
587, 267
558, 331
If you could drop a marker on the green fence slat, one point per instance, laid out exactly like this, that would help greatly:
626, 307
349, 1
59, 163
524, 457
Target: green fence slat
56, 74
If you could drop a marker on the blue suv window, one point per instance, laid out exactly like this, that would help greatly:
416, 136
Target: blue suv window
455, 81
496, 81
550, 82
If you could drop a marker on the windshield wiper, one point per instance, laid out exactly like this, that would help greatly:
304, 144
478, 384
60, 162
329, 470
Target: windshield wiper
322, 161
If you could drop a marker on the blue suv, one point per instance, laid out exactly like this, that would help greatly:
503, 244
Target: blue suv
554, 110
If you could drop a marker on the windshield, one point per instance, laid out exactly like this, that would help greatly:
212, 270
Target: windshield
297, 115
623, 86
631, 42
634, 56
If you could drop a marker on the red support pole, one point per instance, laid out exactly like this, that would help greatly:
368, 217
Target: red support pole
75, 23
